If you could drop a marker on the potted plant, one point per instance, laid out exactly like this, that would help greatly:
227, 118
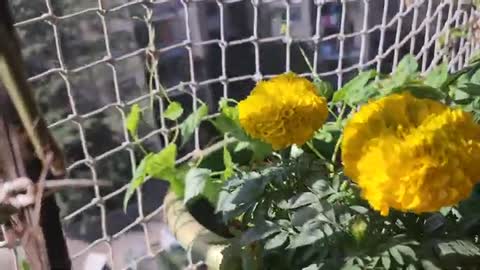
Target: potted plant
379, 175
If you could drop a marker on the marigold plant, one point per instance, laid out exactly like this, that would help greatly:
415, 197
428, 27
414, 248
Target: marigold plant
288, 188
283, 111
412, 154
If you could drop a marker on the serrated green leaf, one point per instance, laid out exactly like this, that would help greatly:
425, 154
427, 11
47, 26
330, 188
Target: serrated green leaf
195, 183
173, 111
303, 215
241, 146
424, 91
396, 255
359, 209
408, 65
405, 72
461, 97
305, 238
227, 110
470, 88
276, 241
351, 267
386, 261
133, 119
301, 200
324, 88
461, 248
260, 149
311, 267
192, 122
438, 76
228, 163
259, 232
408, 251
475, 77
428, 265
234, 200
226, 125
212, 190
411, 267
177, 184
162, 164
434, 222
137, 180
327, 229
353, 85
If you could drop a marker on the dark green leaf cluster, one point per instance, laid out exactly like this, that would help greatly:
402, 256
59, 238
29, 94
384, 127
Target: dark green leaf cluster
300, 212
460, 88
296, 216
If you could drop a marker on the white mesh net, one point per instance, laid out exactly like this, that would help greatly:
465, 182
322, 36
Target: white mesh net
87, 63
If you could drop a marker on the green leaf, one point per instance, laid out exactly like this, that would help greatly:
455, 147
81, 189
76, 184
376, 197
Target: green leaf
227, 161
475, 77
306, 237
162, 164
133, 119
173, 111
241, 146
359, 209
438, 76
428, 265
360, 81
192, 122
396, 255
471, 89
259, 232
137, 181
408, 66
212, 191
351, 267
411, 267
459, 249
195, 183
227, 110
301, 200
260, 149
311, 267
225, 124
386, 261
276, 241
177, 184
243, 191
324, 88
424, 91
408, 251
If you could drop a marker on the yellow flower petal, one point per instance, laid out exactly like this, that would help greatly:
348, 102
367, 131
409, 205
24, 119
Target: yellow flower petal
412, 154
283, 111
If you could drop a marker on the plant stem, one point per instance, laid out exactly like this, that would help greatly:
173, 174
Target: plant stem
320, 156
337, 147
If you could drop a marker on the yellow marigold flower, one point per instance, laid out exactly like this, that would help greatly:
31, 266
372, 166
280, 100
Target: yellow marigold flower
412, 154
283, 111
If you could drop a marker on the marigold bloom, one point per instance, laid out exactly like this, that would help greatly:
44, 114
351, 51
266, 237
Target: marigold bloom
412, 154
283, 111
